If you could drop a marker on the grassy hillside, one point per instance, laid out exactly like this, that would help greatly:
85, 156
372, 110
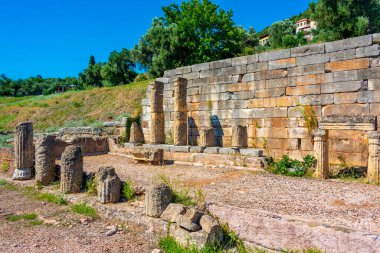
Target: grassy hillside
75, 108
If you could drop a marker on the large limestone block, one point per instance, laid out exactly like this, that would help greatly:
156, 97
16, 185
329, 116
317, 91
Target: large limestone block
71, 169
374, 157
239, 136
24, 152
348, 65
190, 220
136, 134
157, 128
109, 185
207, 137
157, 97
45, 159
157, 198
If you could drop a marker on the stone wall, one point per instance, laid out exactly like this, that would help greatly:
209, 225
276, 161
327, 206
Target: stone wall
268, 92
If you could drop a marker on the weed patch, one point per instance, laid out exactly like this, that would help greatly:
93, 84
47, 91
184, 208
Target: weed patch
127, 191
5, 167
44, 196
291, 167
84, 209
179, 196
31, 218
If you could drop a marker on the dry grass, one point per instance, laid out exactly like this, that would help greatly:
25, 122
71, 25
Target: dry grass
72, 108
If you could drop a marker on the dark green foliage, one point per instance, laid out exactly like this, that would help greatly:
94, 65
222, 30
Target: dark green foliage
290, 167
83, 208
194, 32
127, 191
130, 120
339, 19
169, 245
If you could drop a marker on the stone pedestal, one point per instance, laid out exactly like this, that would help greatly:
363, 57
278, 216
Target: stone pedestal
24, 152
321, 154
157, 198
109, 185
71, 170
180, 112
45, 159
373, 173
157, 127
136, 134
239, 137
206, 137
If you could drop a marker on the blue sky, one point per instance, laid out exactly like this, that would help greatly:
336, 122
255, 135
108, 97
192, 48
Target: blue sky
55, 38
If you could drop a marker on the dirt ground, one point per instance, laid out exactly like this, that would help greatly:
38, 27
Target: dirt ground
351, 204
61, 229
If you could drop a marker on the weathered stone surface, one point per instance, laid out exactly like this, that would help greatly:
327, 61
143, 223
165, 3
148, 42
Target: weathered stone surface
71, 170
347, 65
312, 59
368, 51
206, 137
308, 50
239, 136
157, 128
136, 134
210, 225
190, 220
24, 152
109, 185
180, 112
376, 38
275, 55
251, 152
157, 198
200, 67
348, 43
211, 150
173, 212
221, 64
283, 63
151, 155
45, 159
348, 54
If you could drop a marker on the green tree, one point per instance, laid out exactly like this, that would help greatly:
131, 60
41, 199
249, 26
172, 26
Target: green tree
119, 69
283, 34
339, 19
91, 75
195, 31
250, 41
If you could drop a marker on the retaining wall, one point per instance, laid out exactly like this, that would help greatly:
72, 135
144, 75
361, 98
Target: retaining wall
268, 92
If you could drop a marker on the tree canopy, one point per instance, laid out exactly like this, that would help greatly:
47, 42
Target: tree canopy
193, 32
339, 19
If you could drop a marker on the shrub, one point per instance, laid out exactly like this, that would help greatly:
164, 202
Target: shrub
140, 78
92, 186
290, 167
83, 208
127, 190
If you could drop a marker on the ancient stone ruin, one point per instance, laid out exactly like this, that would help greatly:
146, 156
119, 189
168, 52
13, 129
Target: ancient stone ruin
45, 159
108, 185
157, 198
71, 170
24, 151
136, 134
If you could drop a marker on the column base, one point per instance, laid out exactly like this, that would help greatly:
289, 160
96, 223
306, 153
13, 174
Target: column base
22, 174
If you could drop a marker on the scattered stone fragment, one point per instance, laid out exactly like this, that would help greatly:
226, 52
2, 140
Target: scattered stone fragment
190, 220
111, 230
109, 185
172, 212
157, 198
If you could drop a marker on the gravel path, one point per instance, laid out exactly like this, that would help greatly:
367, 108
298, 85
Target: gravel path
62, 230
349, 204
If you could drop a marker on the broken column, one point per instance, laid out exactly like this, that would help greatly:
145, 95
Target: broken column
45, 159
136, 134
239, 136
24, 152
321, 154
157, 198
71, 169
180, 112
373, 173
157, 124
206, 137
109, 185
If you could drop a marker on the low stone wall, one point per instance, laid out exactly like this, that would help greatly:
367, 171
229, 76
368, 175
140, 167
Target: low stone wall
89, 145
268, 92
